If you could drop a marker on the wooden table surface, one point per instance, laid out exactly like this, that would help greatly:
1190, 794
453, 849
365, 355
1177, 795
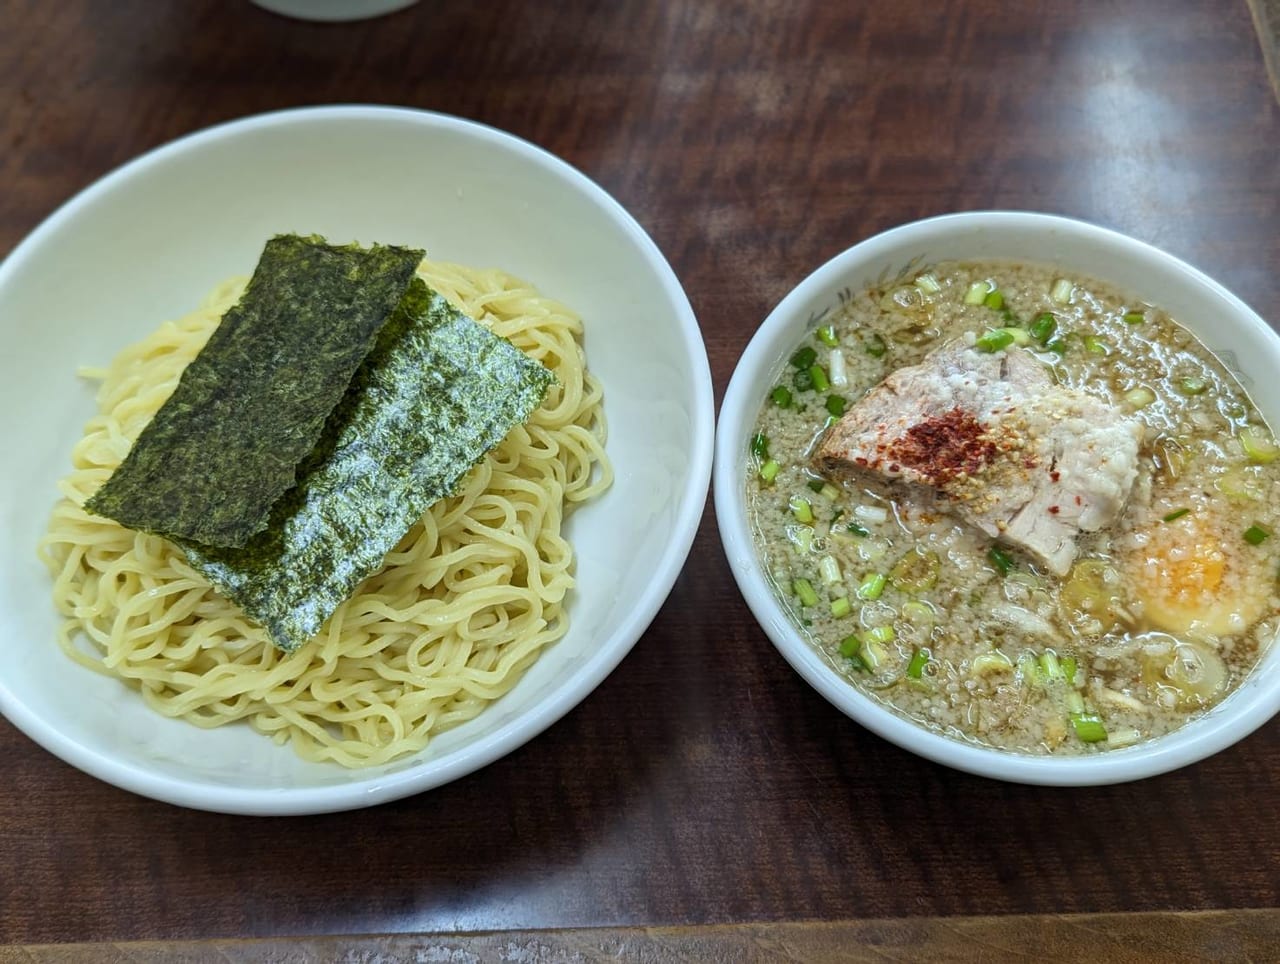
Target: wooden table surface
703, 782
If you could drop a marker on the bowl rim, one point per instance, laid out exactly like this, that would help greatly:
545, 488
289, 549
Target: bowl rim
1207, 735
374, 788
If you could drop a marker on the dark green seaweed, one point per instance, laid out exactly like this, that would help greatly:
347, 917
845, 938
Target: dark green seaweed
437, 392
251, 406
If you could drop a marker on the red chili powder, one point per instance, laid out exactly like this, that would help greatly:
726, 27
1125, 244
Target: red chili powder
944, 446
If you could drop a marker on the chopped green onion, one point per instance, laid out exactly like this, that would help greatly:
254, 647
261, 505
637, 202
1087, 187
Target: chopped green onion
1049, 663
1096, 346
1258, 447
871, 513
827, 335
1043, 327
836, 405
977, 293
1060, 293
819, 377
841, 607
919, 659
801, 537
769, 471
1176, 514
804, 592
1255, 535
829, 569
917, 571
1056, 345
850, 645
1027, 579
1118, 698
1123, 737
829, 491
993, 341
872, 653
876, 346
815, 485
928, 283
872, 586
1030, 669
1193, 385
781, 396
1069, 667
881, 634
1089, 728
1075, 702
805, 357
994, 299
992, 662
858, 530
1135, 317
1001, 560
918, 612
801, 509
1140, 397
802, 380
760, 445
838, 373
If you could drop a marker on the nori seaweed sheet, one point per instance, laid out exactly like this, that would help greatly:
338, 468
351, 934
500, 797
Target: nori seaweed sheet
437, 392
251, 406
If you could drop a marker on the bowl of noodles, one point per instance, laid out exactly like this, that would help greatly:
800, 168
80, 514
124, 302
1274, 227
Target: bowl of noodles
505, 604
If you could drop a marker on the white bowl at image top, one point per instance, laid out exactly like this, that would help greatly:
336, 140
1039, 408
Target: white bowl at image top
1219, 319
148, 241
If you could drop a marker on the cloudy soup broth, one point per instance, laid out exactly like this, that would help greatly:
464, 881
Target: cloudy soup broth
1019, 508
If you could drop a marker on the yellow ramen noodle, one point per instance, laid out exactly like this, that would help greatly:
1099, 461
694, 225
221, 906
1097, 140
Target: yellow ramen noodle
461, 609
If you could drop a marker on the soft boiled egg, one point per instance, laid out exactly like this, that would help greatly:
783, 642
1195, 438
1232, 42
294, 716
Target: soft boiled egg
1195, 577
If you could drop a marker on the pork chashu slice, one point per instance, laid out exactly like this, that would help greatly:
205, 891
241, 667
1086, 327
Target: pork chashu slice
1024, 460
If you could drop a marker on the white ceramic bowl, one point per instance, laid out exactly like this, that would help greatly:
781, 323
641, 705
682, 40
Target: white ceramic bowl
146, 242
1223, 322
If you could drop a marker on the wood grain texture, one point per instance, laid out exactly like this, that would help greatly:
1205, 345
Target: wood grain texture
1167, 938
1266, 18
704, 782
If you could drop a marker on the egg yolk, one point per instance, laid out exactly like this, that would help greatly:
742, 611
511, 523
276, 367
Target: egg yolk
1182, 580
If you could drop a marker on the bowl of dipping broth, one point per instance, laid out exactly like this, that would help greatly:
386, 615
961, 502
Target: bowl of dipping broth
1002, 487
